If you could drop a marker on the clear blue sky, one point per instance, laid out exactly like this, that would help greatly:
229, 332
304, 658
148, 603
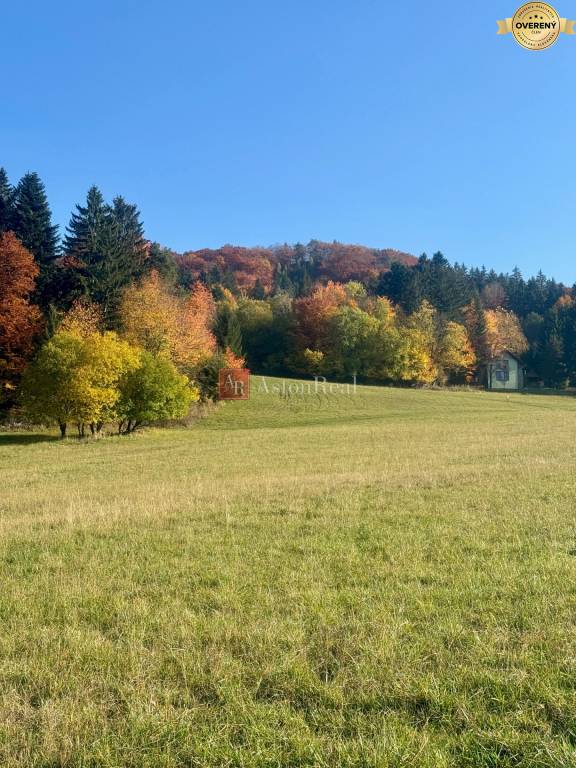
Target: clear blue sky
408, 125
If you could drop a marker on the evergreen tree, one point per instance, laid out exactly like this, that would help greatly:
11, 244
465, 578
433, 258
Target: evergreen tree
515, 290
130, 231
401, 284
549, 359
162, 261
258, 291
475, 320
233, 339
6, 202
108, 243
32, 222
282, 281
445, 287
85, 225
306, 282
229, 281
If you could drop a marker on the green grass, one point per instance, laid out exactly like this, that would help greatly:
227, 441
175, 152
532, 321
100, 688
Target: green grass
386, 579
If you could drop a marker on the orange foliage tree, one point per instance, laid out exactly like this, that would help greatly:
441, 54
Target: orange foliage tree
314, 313
20, 321
248, 265
162, 323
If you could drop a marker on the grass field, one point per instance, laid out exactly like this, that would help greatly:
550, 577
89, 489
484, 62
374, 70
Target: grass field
385, 579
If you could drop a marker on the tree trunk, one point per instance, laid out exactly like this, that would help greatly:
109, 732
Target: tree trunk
62, 426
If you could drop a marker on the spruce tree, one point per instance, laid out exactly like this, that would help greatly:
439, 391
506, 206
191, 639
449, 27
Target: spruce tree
32, 222
130, 231
108, 241
6, 202
162, 261
85, 226
233, 338
258, 291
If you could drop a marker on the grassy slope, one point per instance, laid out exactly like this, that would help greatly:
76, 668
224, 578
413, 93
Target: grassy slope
380, 580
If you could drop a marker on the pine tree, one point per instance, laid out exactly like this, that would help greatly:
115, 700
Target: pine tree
85, 224
475, 320
258, 291
130, 231
32, 222
233, 338
6, 202
162, 260
108, 242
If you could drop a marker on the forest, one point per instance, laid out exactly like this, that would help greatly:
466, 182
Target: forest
103, 325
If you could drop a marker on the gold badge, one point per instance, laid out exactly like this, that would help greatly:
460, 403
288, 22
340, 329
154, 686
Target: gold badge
536, 26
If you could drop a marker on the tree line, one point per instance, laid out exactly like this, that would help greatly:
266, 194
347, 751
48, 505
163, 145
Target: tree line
102, 325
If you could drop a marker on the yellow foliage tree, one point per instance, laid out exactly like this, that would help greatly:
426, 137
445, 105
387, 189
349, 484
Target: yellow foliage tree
503, 333
455, 353
82, 319
77, 379
433, 349
105, 360
153, 318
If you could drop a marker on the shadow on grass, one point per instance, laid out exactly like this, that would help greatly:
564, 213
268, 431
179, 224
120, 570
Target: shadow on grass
23, 438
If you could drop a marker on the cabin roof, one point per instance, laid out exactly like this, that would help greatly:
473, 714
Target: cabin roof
506, 352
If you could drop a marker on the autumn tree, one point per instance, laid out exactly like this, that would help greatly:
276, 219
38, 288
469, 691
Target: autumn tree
386, 361
165, 324
419, 342
435, 349
455, 355
77, 379
20, 321
503, 333
314, 314
50, 393
82, 319
195, 341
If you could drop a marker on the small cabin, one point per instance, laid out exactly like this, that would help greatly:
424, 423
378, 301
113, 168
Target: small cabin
505, 373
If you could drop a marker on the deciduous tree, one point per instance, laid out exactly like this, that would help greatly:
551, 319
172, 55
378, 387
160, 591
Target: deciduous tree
503, 333
77, 379
164, 324
153, 391
20, 321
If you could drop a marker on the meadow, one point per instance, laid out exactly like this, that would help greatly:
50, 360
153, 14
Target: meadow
370, 580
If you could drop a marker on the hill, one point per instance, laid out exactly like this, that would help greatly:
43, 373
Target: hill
331, 261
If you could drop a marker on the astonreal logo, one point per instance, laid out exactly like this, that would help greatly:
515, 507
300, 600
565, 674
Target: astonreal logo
234, 384
536, 26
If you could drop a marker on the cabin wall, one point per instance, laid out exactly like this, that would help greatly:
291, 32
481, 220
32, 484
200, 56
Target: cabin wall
515, 379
